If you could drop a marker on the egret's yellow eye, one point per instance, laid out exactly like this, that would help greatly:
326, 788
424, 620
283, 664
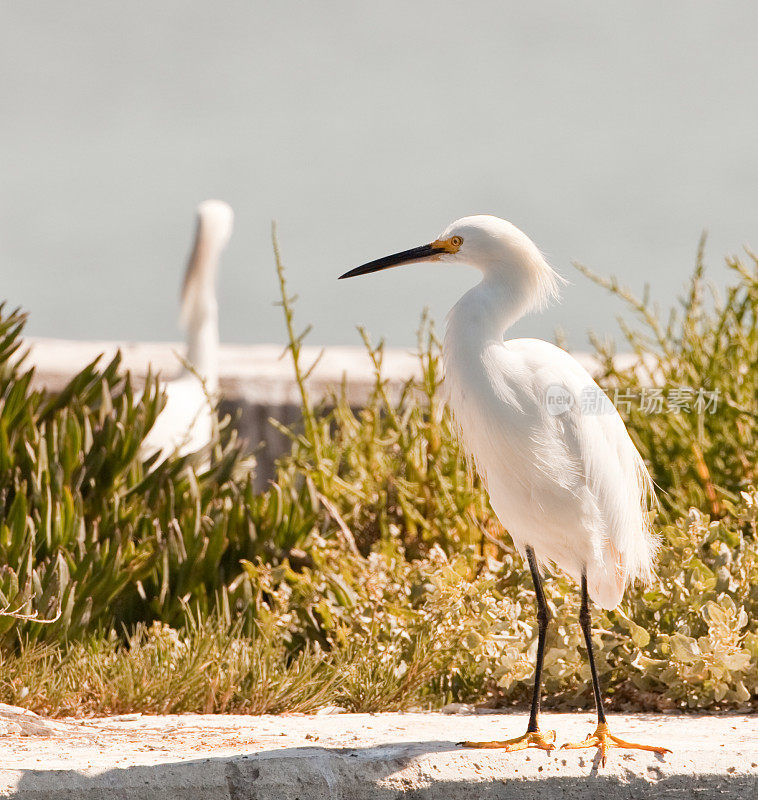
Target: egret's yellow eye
451, 245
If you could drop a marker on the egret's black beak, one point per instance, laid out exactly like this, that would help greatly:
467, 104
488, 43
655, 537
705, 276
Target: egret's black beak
414, 254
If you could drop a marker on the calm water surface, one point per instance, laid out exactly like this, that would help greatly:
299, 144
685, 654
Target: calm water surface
613, 133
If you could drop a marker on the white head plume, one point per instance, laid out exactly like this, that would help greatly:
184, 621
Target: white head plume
501, 250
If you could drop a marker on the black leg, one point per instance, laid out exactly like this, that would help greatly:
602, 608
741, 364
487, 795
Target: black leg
584, 621
602, 738
533, 736
543, 618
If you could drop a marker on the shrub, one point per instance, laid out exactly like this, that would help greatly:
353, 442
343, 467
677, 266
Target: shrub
372, 572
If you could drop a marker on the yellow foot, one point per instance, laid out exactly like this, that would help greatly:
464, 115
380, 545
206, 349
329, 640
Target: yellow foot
603, 738
545, 741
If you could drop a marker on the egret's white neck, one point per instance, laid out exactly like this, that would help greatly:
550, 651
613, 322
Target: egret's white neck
203, 341
483, 315
509, 290
200, 313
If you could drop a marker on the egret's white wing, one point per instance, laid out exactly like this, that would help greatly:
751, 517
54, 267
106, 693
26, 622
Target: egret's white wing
562, 478
185, 424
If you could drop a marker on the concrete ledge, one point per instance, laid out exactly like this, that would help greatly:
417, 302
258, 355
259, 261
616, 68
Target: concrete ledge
258, 373
256, 381
357, 756
255, 373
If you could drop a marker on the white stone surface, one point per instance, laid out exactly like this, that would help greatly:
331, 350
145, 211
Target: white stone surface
374, 756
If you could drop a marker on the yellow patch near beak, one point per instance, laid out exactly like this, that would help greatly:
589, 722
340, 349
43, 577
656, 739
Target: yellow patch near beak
451, 245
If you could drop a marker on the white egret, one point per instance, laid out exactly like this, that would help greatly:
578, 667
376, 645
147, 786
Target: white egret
565, 481
185, 424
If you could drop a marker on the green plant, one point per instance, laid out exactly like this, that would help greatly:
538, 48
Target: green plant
699, 457
371, 573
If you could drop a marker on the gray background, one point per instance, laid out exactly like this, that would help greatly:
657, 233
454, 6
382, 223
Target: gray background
613, 133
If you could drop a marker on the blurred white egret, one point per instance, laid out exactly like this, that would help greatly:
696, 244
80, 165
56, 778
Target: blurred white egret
564, 479
185, 424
